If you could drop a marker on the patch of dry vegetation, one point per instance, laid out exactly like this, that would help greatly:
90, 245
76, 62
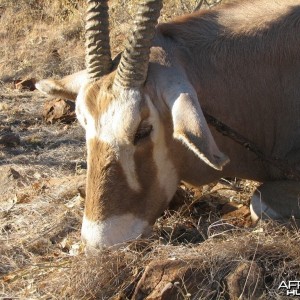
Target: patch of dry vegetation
115, 274
40, 38
195, 251
44, 38
208, 270
202, 246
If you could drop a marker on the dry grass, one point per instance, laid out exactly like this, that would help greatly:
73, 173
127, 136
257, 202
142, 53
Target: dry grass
40, 38
44, 38
41, 256
116, 273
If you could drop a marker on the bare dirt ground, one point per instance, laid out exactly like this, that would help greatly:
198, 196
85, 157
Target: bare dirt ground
203, 247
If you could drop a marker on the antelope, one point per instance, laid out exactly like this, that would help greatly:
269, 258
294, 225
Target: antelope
143, 111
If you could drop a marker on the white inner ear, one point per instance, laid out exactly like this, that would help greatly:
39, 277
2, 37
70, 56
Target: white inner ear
190, 125
191, 129
116, 127
185, 115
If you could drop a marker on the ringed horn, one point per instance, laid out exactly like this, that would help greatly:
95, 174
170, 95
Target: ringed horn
133, 67
98, 54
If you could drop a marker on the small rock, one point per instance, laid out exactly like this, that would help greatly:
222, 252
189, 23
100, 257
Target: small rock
240, 217
81, 188
165, 279
10, 140
26, 84
9, 180
59, 110
14, 174
229, 207
8, 173
246, 281
55, 54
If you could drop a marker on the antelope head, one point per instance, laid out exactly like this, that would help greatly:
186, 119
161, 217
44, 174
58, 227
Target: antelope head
122, 126
134, 139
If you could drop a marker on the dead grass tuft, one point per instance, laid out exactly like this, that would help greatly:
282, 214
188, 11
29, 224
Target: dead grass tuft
116, 274
42, 257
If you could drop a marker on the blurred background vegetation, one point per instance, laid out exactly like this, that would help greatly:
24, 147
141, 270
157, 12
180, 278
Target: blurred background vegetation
42, 38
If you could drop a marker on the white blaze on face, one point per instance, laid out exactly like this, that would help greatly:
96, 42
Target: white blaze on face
113, 230
118, 124
114, 127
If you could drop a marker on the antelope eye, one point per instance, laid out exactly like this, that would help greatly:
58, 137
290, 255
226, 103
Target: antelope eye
142, 133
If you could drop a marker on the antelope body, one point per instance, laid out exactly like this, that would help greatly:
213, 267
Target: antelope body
143, 116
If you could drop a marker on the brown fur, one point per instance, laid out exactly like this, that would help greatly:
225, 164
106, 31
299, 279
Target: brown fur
106, 198
99, 95
261, 29
243, 60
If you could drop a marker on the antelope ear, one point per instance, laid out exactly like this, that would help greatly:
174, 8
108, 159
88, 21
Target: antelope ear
67, 87
190, 127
